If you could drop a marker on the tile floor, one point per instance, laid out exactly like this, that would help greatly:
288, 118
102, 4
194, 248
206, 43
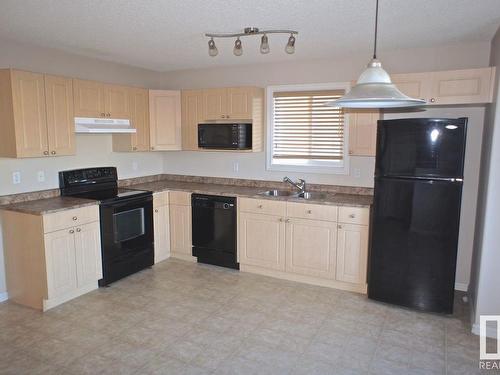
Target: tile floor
184, 318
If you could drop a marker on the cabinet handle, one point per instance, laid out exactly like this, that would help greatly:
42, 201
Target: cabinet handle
309, 211
75, 218
152, 148
156, 210
352, 216
71, 231
103, 114
259, 206
432, 100
280, 219
78, 230
351, 152
227, 116
134, 148
45, 152
340, 226
109, 114
287, 220
53, 152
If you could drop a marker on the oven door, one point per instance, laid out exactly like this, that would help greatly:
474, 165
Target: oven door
127, 236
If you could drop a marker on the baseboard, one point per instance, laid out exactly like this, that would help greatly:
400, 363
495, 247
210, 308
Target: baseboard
490, 331
4, 296
461, 287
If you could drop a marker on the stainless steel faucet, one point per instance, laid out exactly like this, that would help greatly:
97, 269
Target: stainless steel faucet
301, 184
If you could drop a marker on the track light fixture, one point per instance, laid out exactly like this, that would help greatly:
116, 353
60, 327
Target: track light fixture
248, 31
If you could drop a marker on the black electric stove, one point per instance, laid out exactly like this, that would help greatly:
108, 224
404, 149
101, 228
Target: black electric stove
126, 217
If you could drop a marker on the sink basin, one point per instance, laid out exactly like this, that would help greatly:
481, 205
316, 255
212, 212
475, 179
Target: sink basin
312, 195
278, 193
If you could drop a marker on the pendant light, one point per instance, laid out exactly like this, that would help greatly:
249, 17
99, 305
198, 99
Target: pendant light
374, 88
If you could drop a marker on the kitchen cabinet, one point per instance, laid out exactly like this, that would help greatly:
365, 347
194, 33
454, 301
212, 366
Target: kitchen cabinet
36, 112
97, 99
229, 103
180, 225
214, 104
161, 216
57, 257
139, 117
192, 115
363, 132
467, 86
165, 120
318, 244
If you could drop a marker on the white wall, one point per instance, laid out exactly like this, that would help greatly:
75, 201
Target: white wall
91, 150
485, 275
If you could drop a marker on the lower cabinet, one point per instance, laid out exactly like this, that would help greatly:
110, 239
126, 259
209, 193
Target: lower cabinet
262, 240
161, 218
180, 225
55, 258
312, 243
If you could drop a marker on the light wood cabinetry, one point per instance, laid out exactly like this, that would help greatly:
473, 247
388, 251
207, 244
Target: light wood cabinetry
192, 115
467, 86
36, 112
318, 244
229, 103
363, 132
214, 104
97, 99
239, 102
161, 218
57, 256
180, 225
139, 117
165, 120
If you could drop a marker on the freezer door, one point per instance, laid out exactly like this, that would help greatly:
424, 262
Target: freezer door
432, 148
414, 243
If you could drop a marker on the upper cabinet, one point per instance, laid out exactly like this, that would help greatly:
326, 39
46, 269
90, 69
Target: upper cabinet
36, 112
96, 99
192, 115
228, 103
214, 104
165, 120
468, 86
363, 131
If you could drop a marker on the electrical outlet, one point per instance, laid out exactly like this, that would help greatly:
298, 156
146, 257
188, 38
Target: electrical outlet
16, 177
236, 167
356, 172
135, 165
40, 176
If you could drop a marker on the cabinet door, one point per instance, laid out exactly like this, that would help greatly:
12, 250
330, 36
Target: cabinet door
311, 247
239, 103
180, 230
192, 115
88, 98
60, 262
60, 115
162, 233
165, 120
462, 86
352, 253
262, 241
139, 115
363, 132
88, 254
214, 104
415, 85
28, 90
116, 103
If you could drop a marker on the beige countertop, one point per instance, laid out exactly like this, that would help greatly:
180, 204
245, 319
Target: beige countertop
334, 199
48, 205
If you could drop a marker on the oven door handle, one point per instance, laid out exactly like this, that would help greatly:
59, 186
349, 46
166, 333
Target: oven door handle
128, 201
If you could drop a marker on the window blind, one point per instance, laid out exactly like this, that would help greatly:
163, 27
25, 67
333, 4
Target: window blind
305, 128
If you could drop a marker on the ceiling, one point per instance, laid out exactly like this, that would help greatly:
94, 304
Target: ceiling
166, 35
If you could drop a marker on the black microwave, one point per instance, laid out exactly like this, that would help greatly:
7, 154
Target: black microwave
225, 136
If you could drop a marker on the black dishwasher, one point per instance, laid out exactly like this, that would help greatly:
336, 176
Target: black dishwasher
214, 230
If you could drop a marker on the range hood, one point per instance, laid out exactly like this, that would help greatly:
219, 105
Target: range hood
102, 125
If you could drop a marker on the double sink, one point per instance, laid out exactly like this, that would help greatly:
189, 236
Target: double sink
291, 194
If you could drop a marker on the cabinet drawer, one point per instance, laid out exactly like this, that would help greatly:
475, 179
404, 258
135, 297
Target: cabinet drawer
180, 198
311, 211
263, 206
160, 198
70, 218
354, 215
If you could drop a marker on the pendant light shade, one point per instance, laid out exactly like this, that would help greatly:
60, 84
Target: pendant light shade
374, 88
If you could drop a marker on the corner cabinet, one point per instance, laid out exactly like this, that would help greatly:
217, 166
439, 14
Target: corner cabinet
36, 112
165, 120
317, 244
57, 257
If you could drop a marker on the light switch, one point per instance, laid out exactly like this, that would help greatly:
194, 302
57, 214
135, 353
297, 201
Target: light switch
356, 172
16, 177
236, 167
40, 176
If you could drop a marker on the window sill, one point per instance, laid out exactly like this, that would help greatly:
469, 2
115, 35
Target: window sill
344, 169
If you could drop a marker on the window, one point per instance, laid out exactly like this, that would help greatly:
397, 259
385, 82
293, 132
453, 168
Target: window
303, 133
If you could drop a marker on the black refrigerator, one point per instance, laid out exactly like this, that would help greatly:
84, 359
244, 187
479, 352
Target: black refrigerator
416, 212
